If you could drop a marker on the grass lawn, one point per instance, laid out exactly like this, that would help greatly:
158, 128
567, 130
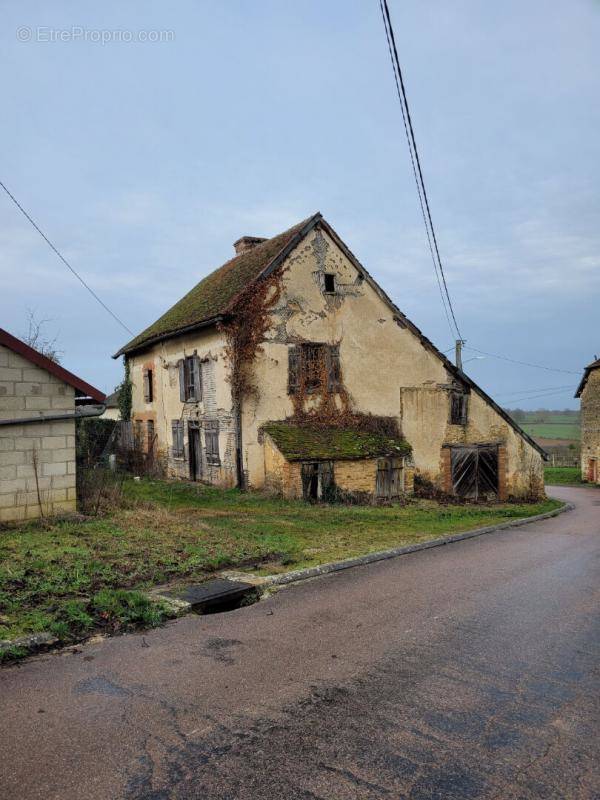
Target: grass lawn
569, 476
77, 575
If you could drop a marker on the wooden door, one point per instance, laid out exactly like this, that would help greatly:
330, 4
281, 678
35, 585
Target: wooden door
317, 480
388, 484
195, 451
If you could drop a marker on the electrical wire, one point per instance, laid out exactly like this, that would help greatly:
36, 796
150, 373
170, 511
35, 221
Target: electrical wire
416, 163
537, 396
64, 260
533, 391
523, 363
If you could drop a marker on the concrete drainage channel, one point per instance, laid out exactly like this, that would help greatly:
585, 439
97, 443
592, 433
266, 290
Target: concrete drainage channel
212, 597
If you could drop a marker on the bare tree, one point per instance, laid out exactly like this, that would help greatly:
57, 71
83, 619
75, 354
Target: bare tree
36, 338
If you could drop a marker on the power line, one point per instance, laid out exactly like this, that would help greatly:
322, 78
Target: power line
415, 160
414, 169
536, 396
524, 363
64, 260
534, 391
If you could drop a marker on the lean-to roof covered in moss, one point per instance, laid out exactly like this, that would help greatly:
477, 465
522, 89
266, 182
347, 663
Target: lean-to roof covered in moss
303, 443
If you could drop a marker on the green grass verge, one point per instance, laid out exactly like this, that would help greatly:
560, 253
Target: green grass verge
73, 576
569, 476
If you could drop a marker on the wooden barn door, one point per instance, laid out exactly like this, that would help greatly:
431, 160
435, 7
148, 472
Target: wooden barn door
475, 471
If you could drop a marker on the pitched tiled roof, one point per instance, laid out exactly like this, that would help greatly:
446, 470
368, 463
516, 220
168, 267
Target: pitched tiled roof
81, 387
215, 295
301, 443
594, 365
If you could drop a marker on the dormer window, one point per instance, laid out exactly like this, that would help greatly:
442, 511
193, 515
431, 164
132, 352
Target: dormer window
329, 283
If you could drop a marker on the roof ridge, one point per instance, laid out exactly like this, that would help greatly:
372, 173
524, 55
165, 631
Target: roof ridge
53, 367
216, 294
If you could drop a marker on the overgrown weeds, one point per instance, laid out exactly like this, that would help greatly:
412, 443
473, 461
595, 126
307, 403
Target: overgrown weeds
78, 575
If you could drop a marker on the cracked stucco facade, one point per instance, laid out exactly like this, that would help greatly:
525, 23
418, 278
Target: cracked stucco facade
386, 369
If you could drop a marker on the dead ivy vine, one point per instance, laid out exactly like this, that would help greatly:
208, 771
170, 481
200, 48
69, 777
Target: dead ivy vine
246, 330
325, 407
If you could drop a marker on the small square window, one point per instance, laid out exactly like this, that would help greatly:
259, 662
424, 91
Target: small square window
329, 283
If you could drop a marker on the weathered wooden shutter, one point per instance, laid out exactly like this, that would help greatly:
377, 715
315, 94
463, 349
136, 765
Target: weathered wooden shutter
175, 438
182, 393
197, 376
145, 384
211, 438
293, 369
333, 368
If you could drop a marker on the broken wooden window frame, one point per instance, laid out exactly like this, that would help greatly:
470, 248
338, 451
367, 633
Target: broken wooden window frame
190, 379
305, 367
459, 407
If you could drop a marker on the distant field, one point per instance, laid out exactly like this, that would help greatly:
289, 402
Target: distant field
553, 430
553, 427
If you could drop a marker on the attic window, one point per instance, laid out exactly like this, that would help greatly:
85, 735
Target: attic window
329, 283
459, 408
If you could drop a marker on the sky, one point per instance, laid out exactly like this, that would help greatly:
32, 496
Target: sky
146, 137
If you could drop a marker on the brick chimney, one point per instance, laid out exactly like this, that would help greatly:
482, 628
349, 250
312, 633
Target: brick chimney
245, 243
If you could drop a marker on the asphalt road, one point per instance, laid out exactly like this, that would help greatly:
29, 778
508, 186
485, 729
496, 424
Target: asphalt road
465, 671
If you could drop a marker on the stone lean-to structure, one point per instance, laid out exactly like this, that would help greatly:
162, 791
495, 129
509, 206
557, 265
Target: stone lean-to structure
293, 331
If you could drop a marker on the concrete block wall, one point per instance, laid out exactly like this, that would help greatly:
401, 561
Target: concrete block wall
37, 460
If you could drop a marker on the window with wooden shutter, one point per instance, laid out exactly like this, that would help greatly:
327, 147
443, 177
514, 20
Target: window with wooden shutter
310, 363
293, 369
177, 436
190, 379
458, 408
182, 380
211, 442
148, 388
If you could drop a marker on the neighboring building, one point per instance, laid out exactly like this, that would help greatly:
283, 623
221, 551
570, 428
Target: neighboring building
112, 410
589, 393
37, 431
289, 368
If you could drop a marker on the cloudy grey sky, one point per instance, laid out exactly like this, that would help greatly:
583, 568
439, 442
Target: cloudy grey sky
143, 161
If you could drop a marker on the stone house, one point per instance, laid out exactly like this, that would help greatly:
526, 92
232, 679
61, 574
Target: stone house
589, 393
289, 368
38, 400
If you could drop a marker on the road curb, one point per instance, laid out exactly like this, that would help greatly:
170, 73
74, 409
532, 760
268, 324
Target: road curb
383, 555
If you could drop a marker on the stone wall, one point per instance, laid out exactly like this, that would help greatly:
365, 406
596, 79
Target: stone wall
37, 461
356, 476
590, 427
